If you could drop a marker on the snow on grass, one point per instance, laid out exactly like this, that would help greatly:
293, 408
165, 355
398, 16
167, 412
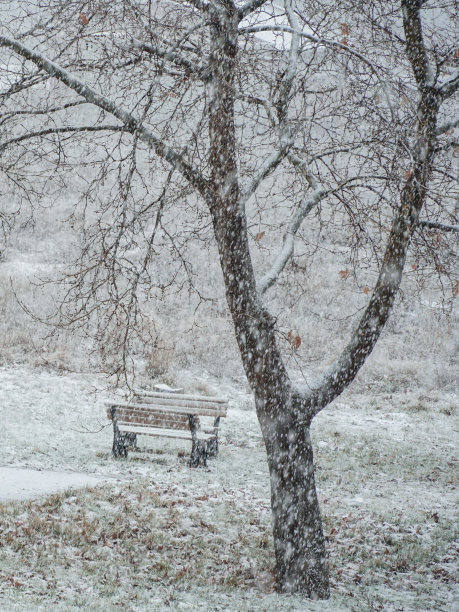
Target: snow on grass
157, 535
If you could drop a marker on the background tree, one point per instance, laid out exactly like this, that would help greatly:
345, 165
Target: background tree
180, 119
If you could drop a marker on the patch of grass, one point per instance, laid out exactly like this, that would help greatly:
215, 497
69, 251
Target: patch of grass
122, 543
449, 410
130, 538
391, 551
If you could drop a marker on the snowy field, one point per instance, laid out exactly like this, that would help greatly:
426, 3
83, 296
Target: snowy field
148, 533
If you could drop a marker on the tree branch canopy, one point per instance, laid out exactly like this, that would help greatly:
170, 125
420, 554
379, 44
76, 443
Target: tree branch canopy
439, 226
130, 123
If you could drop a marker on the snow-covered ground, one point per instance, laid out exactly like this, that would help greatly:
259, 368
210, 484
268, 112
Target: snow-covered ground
151, 534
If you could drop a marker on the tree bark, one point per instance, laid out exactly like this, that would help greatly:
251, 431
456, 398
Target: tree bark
299, 544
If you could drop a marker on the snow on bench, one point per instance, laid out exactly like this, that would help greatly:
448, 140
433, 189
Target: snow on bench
172, 415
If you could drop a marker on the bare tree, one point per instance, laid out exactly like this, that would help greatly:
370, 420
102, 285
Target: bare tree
344, 117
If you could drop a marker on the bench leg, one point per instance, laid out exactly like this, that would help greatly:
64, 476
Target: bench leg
212, 444
198, 448
120, 444
119, 448
198, 454
130, 439
212, 447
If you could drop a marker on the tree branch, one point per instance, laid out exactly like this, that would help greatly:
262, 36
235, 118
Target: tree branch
166, 54
345, 368
131, 124
306, 206
413, 194
439, 226
442, 129
449, 88
250, 7
288, 240
286, 83
325, 42
285, 87
8, 115
42, 25
415, 48
270, 164
61, 130
172, 53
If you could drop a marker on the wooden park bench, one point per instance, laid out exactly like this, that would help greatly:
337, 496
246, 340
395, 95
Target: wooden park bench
171, 415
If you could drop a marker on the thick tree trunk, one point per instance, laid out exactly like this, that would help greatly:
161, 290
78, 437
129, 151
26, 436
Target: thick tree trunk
299, 544
301, 565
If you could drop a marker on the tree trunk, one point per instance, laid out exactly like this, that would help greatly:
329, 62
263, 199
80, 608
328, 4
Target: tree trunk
299, 544
301, 565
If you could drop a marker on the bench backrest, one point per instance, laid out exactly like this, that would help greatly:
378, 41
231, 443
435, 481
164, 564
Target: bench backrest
167, 410
190, 404
139, 415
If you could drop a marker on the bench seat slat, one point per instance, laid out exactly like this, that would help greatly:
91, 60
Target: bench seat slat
166, 424
154, 431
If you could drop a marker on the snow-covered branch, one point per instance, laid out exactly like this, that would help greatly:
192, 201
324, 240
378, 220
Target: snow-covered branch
306, 206
250, 7
303, 167
172, 52
285, 88
446, 127
290, 73
288, 241
269, 164
449, 88
167, 54
412, 200
439, 226
344, 369
131, 123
